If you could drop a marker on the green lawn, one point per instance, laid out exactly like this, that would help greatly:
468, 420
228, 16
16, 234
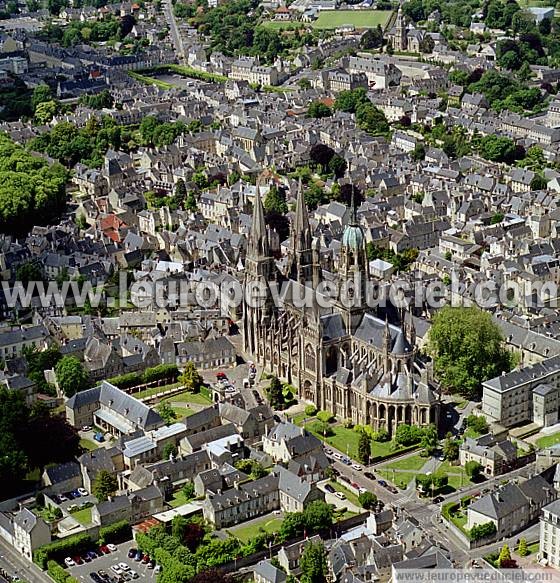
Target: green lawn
88, 444
155, 390
248, 532
283, 24
533, 548
181, 412
178, 499
414, 463
358, 18
548, 440
350, 496
400, 479
83, 516
186, 397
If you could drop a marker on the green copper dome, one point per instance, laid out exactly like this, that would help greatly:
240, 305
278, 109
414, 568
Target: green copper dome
353, 237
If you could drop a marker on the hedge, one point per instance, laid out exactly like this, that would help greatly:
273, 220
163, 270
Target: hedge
448, 509
59, 574
150, 375
482, 530
58, 550
115, 533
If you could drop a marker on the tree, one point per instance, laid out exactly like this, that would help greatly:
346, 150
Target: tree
427, 44
304, 84
318, 515
41, 93
497, 148
166, 413
292, 525
318, 109
406, 435
337, 166
321, 155
477, 423
522, 549
349, 101
371, 119
188, 490
451, 449
190, 378
545, 26
473, 470
429, 441
275, 201
364, 448
367, 500
539, 183
275, 394
372, 38
213, 575
45, 111
313, 564
104, 485
180, 189
468, 348
170, 450
71, 375
505, 555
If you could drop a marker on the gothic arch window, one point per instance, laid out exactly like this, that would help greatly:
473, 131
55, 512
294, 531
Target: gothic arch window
331, 361
310, 358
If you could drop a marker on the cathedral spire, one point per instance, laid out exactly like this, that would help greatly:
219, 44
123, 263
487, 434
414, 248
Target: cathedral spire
258, 238
302, 228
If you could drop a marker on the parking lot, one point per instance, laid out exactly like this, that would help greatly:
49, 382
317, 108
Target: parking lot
105, 562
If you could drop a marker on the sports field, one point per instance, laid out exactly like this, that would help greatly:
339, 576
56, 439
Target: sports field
359, 18
330, 19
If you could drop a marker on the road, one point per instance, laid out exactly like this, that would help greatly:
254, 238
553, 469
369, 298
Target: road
174, 30
14, 564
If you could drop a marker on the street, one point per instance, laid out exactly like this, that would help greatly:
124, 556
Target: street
173, 29
14, 564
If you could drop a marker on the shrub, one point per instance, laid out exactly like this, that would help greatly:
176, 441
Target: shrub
310, 410
115, 533
161, 372
482, 530
325, 416
322, 428
381, 435
59, 574
58, 550
447, 510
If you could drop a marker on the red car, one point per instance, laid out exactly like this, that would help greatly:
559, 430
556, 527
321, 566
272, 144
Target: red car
78, 560
103, 550
221, 376
146, 559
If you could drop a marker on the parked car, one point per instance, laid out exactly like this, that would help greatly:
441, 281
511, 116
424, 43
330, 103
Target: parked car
329, 488
69, 562
357, 467
382, 483
75, 494
86, 558
86, 428
132, 553
362, 490
221, 376
438, 499
340, 495
133, 574
151, 564
345, 479
157, 569
124, 566
116, 569
83, 492
92, 555
146, 559
103, 550
95, 577
63, 498
99, 437
78, 560
138, 556
103, 574
335, 472
369, 475
112, 547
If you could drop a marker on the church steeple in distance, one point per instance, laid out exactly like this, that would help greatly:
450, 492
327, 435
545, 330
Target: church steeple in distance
258, 238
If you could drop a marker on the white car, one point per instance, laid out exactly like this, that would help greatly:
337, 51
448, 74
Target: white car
357, 467
116, 569
337, 456
124, 566
340, 495
83, 492
86, 428
69, 562
111, 547
362, 490
133, 574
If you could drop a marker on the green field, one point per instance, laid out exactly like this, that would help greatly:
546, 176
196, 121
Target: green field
283, 24
359, 18
548, 440
88, 444
246, 533
414, 463
83, 516
400, 479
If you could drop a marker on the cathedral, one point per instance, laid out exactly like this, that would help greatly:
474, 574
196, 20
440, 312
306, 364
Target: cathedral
344, 359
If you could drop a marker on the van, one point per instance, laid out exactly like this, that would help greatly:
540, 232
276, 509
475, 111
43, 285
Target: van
246, 383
